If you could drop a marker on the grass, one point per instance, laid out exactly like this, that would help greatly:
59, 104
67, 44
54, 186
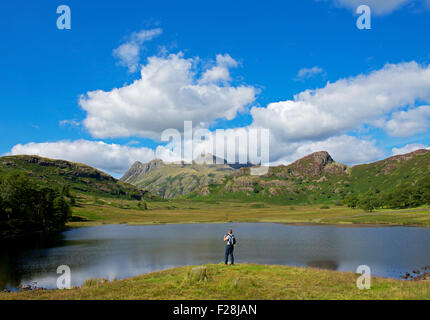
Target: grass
240, 282
90, 212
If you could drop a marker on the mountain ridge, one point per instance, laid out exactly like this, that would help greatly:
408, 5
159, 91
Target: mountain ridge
169, 180
318, 178
312, 177
315, 177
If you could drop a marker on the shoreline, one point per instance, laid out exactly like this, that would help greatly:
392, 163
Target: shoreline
247, 281
298, 224
26, 288
91, 214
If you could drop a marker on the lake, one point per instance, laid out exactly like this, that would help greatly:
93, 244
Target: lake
122, 251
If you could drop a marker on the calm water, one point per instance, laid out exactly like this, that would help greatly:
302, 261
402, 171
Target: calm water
123, 251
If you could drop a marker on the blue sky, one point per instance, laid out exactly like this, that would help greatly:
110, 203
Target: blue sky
268, 52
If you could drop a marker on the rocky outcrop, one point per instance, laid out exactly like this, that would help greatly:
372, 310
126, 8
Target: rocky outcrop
139, 169
311, 165
204, 191
336, 169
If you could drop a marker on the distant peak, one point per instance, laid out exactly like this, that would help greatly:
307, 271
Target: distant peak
155, 161
137, 163
322, 157
208, 158
139, 168
312, 164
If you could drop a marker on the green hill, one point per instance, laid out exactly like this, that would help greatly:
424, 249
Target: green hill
317, 178
76, 176
386, 175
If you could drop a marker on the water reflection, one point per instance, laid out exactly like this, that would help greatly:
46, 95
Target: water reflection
328, 265
123, 251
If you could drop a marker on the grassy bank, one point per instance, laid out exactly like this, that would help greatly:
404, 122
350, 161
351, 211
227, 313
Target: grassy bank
247, 281
97, 211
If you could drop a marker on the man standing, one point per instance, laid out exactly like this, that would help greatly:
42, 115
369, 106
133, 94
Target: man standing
231, 241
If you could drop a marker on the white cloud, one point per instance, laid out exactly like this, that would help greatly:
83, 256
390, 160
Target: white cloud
173, 153
408, 148
167, 94
220, 72
170, 91
346, 149
409, 123
315, 120
145, 35
346, 104
307, 73
128, 53
72, 123
343, 148
379, 7
112, 158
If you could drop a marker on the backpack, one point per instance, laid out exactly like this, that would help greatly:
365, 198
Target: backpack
232, 240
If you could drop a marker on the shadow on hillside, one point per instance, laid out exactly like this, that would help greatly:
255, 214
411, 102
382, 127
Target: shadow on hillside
78, 219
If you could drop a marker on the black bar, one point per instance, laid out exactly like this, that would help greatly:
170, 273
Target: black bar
214, 309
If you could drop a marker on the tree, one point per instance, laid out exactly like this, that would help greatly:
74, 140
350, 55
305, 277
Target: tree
424, 187
369, 202
62, 211
351, 201
65, 191
25, 207
257, 187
